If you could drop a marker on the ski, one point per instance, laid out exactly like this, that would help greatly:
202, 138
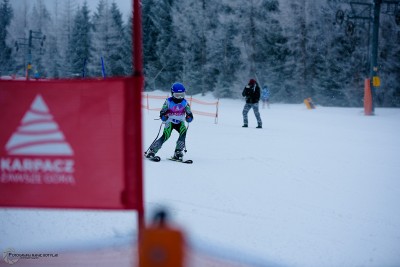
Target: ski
157, 159
188, 161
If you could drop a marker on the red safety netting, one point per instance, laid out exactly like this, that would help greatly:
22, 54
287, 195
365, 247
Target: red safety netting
156, 106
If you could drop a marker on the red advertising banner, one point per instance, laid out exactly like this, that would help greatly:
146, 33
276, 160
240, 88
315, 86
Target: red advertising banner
71, 144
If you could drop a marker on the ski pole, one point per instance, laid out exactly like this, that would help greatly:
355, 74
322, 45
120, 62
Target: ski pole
187, 129
159, 130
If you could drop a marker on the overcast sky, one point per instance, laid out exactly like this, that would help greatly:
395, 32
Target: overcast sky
124, 5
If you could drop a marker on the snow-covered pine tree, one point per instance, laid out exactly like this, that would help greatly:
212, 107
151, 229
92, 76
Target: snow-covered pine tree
189, 18
296, 62
229, 63
80, 46
52, 55
388, 94
118, 56
168, 46
262, 41
101, 22
6, 61
39, 24
273, 51
64, 33
339, 78
151, 32
18, 36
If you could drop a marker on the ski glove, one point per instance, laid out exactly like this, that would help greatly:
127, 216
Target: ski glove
164, 118
189, 118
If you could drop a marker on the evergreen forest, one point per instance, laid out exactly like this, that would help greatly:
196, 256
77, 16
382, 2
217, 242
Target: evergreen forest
298, 48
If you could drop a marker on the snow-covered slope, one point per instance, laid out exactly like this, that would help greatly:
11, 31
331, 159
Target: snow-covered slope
312, 188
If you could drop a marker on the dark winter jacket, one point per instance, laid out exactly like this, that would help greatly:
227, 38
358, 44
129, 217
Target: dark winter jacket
252, 93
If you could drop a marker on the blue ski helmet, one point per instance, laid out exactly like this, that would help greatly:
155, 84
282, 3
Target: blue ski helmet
178, 90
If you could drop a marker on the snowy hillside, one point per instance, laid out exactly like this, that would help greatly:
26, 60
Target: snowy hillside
312, 188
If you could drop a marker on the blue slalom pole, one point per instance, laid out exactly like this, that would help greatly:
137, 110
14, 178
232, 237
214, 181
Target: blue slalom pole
103, 69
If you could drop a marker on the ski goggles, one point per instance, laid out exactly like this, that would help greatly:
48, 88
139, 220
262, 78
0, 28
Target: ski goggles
179, 95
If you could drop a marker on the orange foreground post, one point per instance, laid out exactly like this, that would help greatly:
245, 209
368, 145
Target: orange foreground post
367, 97
161, 245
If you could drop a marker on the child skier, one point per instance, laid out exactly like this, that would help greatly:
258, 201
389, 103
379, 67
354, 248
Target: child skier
173, 113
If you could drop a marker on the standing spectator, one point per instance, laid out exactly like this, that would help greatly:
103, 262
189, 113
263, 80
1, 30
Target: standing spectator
265, 96
252, 94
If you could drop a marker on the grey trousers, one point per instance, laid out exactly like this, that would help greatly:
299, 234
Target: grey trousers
246, 109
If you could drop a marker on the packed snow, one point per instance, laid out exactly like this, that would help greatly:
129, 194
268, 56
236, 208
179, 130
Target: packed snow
312, 188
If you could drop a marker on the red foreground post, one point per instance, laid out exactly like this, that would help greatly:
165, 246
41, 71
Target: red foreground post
137, 63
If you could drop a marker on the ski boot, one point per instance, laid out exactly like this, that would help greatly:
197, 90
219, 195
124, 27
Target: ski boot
178, 155
151, 154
